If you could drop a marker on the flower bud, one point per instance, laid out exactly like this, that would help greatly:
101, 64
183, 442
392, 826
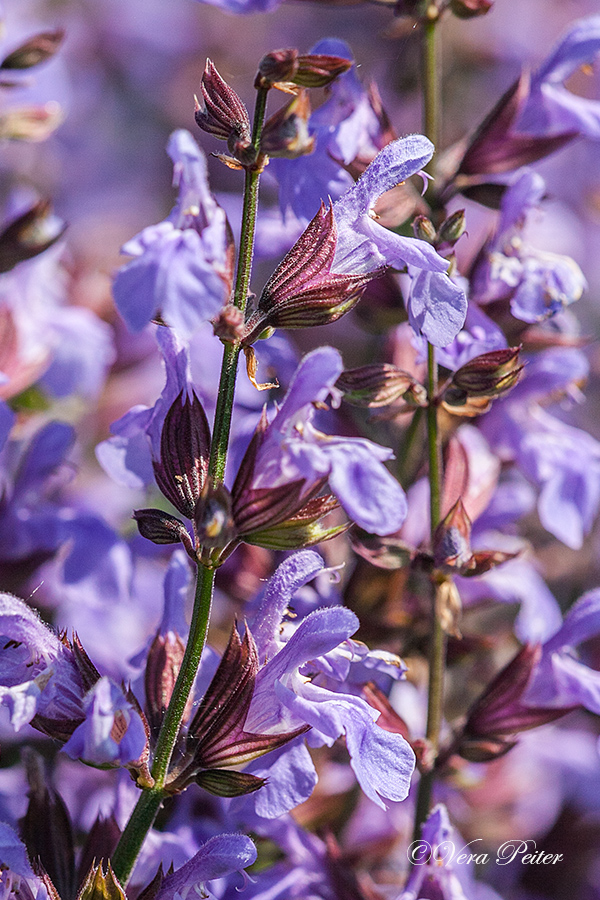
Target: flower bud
29, 234
303, 291
468, 9
184, 452
286, 132
424, 229
500, 710
221, 112
452, 539
374, 386
490, 374
452, 228
229, 784
34, 51
281, 67
162, 667
277, 66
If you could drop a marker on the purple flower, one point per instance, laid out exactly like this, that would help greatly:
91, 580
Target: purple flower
181, 267
13, 853
293, 449
561, 679
218, 857
563, 461
436, 307
538, 284
32, 524
67, 348
113, 731
287, 695
39, 673
550, 109
432, 874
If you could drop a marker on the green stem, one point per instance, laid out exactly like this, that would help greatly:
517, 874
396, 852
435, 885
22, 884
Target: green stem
437, 643
222, 426
148, 805
186, 675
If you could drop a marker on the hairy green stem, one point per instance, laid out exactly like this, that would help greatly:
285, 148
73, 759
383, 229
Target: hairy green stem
437, 643
222, 426
149, 803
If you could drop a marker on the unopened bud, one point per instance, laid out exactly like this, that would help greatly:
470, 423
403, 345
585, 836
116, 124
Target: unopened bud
424, 229
162, 667
277, 66
452, 539
28, 235
184, 451
221, 112
490, 374
374, 386
286, 132
34, 51
468, 9
287, 67
229, 784
452, 228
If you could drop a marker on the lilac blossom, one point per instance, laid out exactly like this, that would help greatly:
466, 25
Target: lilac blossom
113, 731
287, 695
220, 856
562, 461
67, 348
33, 525
294, 449
40, 676
537, 283
561, 679
181, 266
436, 305
551, 109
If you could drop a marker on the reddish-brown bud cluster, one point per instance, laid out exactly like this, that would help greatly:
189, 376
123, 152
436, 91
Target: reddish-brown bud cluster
284, 518
282, 68
216, 739
220, 112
